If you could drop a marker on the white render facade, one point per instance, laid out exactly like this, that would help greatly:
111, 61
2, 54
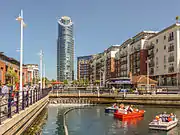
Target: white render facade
164, 56
34, 69
160, 49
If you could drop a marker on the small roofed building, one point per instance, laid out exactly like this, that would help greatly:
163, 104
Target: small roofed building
142, 81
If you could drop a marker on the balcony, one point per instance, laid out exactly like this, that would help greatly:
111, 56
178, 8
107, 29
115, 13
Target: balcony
151, 54
123, 62
123, 55
137, 50
151, 63
137, 66
171, 48
151, 72
136, 58
170, 38
151, 46
171, 69
124, 69
171, 59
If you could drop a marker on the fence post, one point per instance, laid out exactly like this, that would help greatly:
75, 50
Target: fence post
9, 103
17, 102
0, 109
27, 98
36, 95
23, 100
31, 97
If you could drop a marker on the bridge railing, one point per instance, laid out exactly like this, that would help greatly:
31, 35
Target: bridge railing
80, 92
13, 102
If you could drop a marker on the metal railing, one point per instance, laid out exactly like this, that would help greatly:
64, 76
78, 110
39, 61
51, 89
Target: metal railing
117, 92
13, 102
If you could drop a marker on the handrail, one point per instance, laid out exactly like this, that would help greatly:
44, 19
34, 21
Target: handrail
13, 102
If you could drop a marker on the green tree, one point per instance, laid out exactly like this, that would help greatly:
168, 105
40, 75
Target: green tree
74, 82
46, 80
81, 82
11, 76
65, 81
53, 80
97, 82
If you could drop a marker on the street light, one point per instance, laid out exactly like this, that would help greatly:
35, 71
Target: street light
41, 72
44, 76
101, 71
20, 19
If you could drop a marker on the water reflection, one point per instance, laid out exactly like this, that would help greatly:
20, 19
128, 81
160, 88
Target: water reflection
130, 122
93, 121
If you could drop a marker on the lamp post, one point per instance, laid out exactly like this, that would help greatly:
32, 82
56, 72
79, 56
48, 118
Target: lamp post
41, 72
101, 71
20, 19
44, 76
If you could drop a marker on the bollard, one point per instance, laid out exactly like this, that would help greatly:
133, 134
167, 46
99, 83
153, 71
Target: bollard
17, 102
9, 103
23, 100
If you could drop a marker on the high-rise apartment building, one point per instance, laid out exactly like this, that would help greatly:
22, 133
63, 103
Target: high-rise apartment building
65, 49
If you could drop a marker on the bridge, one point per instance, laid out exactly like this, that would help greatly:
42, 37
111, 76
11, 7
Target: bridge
105, 97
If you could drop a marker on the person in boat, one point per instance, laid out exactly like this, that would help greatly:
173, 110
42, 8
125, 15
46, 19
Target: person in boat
129, 108
171, 117
114, 105
122, 106
164, 117
157, 118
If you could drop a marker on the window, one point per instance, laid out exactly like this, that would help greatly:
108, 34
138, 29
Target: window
164, 37
156, 41
157, 50
171, 36
164, 67
164, 47
164, 59
156, 61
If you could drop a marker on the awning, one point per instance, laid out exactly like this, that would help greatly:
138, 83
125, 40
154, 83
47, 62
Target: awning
57, 82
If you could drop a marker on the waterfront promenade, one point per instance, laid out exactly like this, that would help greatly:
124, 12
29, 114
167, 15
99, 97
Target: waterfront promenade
19, 111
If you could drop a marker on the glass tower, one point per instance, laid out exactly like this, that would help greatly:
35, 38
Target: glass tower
65, 50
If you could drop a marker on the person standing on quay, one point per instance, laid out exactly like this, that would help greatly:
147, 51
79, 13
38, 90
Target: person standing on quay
4, 98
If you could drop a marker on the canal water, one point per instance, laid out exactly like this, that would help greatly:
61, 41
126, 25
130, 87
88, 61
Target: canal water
93, 121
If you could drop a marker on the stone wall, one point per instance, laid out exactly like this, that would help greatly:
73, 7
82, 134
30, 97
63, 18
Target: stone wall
19, 122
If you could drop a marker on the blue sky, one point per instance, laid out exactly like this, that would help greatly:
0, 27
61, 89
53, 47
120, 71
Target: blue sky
97, 25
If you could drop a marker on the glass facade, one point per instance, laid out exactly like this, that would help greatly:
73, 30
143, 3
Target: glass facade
65, 50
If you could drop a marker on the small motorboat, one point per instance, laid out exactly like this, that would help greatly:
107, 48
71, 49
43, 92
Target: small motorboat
111, 109
158, 124
123, 114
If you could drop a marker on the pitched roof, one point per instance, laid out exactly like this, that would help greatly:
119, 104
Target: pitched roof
142, 79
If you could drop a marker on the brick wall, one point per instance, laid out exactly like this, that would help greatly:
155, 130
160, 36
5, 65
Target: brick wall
2, 71
143, 65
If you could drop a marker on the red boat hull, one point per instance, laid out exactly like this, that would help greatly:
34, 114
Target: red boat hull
129, 115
